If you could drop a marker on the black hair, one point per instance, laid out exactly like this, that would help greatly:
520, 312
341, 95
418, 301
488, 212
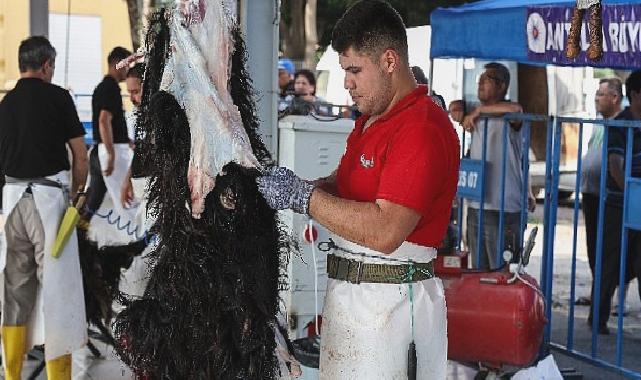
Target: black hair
419, 75
501, 73
633, 83
311, 78
117, 54
370, 27
34, 52
136, 71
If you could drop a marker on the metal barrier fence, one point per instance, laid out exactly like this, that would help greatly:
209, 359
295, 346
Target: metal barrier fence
473, 175
472, 187
631, 221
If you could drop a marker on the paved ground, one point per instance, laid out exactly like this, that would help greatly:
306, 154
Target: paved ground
561, 301
87, 367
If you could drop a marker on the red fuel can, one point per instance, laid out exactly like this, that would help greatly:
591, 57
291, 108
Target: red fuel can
492, 321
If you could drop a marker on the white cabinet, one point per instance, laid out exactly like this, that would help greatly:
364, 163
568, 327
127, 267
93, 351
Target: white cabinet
312, 149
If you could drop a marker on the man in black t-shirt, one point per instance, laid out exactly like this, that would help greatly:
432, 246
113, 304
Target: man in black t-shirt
109, 129
38, 121
611, 254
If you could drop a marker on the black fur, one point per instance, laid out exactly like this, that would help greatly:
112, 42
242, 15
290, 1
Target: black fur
209, 311
101, 268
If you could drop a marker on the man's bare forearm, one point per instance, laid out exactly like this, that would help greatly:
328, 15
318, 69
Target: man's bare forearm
504, 107
501, 107
105, 129
359, 222
106, 135
364, 223
80, 164
79, 176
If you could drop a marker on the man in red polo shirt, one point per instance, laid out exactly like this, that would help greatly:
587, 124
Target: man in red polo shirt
388, 206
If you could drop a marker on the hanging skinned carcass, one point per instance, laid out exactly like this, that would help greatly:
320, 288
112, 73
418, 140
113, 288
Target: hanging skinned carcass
211, 304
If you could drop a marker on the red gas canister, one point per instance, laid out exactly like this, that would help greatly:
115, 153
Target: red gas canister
311, 326
492, 321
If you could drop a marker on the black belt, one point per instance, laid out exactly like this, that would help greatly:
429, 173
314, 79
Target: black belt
356, 272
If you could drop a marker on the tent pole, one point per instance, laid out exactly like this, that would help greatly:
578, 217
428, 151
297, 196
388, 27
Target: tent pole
430, 79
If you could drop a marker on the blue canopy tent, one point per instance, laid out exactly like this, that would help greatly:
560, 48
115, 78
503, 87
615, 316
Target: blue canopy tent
533, 32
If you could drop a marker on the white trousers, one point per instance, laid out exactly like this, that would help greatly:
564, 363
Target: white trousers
366, 328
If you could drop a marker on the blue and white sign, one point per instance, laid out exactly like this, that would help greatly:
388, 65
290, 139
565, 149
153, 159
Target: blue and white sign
547, 29
470, 180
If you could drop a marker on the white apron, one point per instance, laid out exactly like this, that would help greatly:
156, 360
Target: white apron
3, 258
123, 154
133, 280
58, 320
105, 231
366, 328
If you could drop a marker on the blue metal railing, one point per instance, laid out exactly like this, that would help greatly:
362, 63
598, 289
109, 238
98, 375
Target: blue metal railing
525, 121
575, 231
631, 220
552, 172
551, 208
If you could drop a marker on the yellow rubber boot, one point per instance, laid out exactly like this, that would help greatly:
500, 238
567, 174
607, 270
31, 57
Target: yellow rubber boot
14, 340
59, 368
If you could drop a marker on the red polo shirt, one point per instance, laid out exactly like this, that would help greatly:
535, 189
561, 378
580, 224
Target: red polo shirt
409, 156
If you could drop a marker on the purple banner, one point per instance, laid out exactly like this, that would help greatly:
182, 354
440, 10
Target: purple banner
547, 31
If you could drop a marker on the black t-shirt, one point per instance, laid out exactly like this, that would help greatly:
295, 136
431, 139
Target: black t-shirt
617, 140
106, 97
36, 121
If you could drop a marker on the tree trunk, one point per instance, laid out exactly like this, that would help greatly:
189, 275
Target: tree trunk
294, 31
311, 36
533, 96
134, 8
148, 7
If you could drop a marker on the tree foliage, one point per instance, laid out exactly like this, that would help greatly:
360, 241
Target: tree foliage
293, 41
414, 13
